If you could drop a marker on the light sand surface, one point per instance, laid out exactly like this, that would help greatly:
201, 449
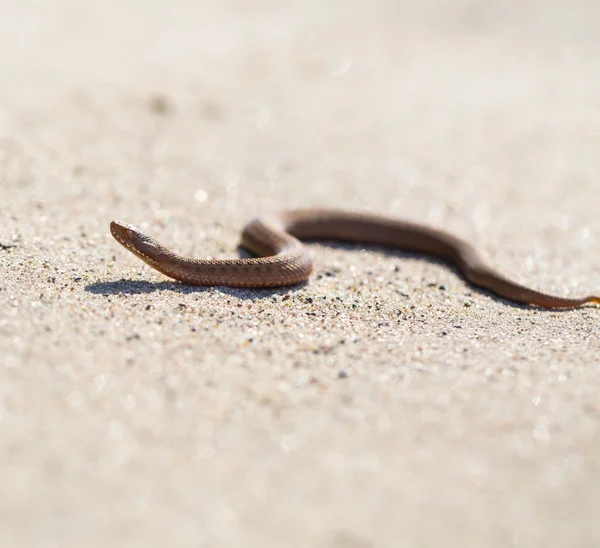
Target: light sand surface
383, 404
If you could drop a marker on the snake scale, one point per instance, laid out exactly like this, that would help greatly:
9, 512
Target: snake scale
283, 260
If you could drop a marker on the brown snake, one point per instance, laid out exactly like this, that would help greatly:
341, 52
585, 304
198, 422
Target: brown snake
284, 260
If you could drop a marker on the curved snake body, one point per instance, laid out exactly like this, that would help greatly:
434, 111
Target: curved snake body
283, 259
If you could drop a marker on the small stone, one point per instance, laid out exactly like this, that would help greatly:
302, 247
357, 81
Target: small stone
160, 104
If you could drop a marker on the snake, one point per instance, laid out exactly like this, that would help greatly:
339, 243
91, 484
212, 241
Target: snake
283, 260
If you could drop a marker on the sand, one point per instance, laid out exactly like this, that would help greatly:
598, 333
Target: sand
383, 404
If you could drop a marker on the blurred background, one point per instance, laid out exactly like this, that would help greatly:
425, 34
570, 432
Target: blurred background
431, 110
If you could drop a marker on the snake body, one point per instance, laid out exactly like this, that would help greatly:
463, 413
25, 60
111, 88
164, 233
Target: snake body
283, 260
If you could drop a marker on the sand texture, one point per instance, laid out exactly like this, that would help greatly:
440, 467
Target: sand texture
385, 403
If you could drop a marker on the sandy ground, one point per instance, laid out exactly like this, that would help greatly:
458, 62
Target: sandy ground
383, 404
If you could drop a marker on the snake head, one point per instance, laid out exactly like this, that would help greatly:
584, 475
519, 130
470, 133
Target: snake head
125, 234
138, 242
